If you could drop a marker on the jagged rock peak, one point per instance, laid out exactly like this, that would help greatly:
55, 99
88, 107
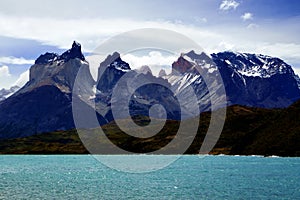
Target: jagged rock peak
198, 58
115, 61
110, 59
110, 71
187, 61
74, 52
144, 69
46, 58
191, 54
181, 65
162, 73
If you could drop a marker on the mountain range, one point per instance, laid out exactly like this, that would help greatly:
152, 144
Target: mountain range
44, 103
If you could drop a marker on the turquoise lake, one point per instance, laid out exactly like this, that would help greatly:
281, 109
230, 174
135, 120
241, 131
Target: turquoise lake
190, 177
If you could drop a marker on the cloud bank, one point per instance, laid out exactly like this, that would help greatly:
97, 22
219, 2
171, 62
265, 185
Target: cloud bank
15, 61
155, 60
23, 78
4, 71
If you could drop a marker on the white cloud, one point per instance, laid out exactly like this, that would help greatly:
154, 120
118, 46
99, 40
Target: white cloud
16, 61
5, 77
4, 71
155, 60
92, 32
228, 4
87, 31
7, 80
226, 46
287, 51
23, 78
247, 16
252, 26
200, 19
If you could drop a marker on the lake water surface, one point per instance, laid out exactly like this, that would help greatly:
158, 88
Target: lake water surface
190, 177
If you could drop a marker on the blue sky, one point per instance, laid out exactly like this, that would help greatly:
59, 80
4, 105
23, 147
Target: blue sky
30, 28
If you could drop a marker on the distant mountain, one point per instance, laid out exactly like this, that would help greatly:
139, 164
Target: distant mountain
257, 80
145, 69
249, 79
162, 73
5, 93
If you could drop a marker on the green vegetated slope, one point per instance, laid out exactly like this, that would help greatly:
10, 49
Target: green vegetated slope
247, 131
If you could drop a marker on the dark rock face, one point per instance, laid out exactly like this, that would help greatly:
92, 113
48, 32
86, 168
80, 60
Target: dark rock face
42, 110
181, 66
155, 94
249, 79
110, 71
74, 52
257, 80
113, 69
253, 64
46, 58
59, 70
44, 104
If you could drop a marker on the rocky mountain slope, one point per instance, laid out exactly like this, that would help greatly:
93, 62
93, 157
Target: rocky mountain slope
257, 80
44, 104
247, 131
116, 77
249, 79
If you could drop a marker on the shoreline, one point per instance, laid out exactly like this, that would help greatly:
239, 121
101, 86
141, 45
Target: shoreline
204, 155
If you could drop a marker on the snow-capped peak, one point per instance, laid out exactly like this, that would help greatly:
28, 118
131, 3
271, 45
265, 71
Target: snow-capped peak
115, 61
255, 65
